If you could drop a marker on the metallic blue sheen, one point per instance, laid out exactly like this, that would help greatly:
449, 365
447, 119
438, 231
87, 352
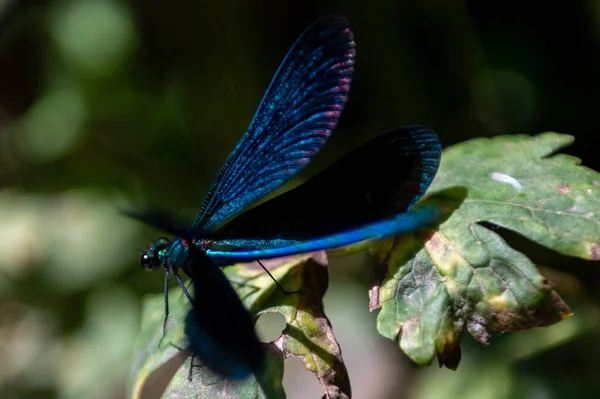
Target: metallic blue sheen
380, 180
401, 224
176, 254
295, 118
368, 194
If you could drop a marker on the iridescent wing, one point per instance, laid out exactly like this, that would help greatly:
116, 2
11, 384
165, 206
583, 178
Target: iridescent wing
367, 194
296, 116
219, 329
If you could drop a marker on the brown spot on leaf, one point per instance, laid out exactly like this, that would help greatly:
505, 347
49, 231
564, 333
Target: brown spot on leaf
550, 310
547, 284
435, 243
563, 188
281, 342
310, 330
381, 271
597, 183
478, 330
374, 298
450, 356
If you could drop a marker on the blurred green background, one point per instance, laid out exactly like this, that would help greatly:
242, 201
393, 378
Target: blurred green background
107, 104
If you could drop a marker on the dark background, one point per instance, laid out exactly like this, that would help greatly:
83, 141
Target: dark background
105, 104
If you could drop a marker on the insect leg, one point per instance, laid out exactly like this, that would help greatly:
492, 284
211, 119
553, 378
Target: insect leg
187, 294
166, 291
276, 282
183, 287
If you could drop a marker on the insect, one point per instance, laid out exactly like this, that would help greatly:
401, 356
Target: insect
367, 194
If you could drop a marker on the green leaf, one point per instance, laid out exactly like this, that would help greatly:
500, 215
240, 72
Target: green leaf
204, 384
308, 334
150, 352
461, 275
515, 182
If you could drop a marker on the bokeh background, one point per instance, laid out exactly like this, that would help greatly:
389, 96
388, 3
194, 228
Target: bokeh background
106, 104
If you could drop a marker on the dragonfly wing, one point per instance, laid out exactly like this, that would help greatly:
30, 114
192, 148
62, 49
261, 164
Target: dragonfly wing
251, 249
161, 220
296, 116
368, 192
219, 328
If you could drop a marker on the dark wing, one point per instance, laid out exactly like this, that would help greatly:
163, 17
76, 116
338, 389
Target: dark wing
161, 220
219, 329
366, 194
296, 116
266, 248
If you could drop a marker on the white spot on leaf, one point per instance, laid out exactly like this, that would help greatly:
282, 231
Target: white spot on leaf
504, 178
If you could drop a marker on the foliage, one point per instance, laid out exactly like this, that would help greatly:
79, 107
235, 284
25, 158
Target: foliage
107, 103
432, 285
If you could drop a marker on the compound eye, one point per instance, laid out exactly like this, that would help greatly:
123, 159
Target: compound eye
147, 262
